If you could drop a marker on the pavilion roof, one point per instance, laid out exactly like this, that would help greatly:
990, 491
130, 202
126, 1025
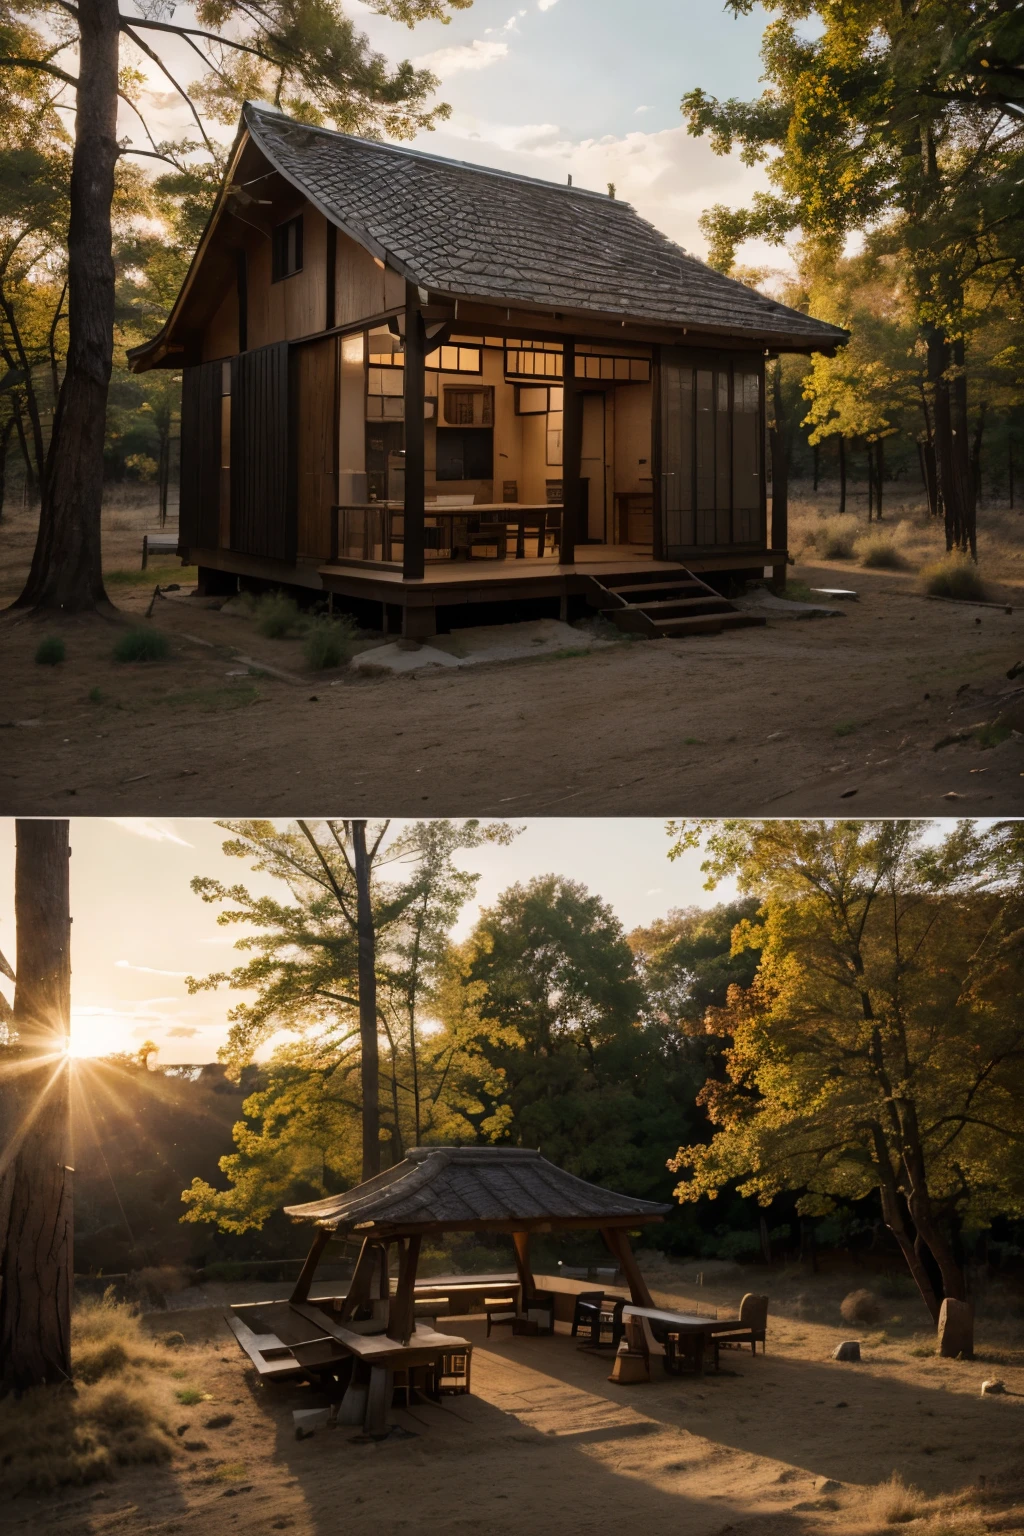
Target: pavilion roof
468, 1188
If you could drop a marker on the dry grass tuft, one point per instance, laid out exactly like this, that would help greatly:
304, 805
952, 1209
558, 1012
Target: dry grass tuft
881, 552
956, 576
112, 1416
895, 1502
835, 538
861, 1306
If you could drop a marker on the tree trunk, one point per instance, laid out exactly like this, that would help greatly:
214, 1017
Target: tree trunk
879, 475
979, 432
952, 455
36, 1257
31, 478
5, 444
869, 452
163, 474
780, 467
817, 466
66, 569
367, 1004
842, 474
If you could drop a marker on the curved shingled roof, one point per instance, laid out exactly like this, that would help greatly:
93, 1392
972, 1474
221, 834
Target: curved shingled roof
465, 1187
473, 232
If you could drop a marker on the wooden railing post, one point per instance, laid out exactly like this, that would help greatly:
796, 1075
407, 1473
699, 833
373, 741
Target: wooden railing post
415, 454
572, 448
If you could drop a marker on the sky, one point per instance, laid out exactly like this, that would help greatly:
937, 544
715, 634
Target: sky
138, 930
551, 88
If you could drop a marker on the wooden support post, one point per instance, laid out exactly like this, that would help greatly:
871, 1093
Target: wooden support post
618, 1243
525, 1273
308, 1270
415, 455
657, 479
402, 1319
572, 448
360, 1286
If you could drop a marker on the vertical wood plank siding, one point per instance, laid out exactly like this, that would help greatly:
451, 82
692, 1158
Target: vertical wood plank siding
263, 520
200, 457
710, 464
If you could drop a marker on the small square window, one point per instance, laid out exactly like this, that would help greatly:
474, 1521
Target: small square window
287, 250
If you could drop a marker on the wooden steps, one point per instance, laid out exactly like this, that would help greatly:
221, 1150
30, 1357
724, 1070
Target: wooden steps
663, 605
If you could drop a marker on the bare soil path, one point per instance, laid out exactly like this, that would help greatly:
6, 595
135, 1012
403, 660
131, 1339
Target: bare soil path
789, 1444
811, 717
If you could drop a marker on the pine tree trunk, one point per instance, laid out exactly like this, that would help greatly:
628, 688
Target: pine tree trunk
36, 1248
367, 1004
842, 474
5, 445
780, 467
952, 451
879, 474
66, 569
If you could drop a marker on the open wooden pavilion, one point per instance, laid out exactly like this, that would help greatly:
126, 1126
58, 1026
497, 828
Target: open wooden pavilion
436, 1190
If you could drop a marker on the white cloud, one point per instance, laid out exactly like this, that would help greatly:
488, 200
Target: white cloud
643, 109
149, 970
545, 5
180, 1032
149, 827
461, 57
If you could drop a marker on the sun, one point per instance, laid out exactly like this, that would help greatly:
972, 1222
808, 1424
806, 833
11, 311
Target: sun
96, 1032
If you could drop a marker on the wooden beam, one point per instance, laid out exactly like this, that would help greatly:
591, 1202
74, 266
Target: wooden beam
572, 447
618, 1242
332, 275
308, 1270
402, 1318
359, 1287
657, 483
525, 1273
415, 454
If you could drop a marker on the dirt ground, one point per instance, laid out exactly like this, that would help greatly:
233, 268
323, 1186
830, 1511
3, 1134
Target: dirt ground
789, 1444
802, 717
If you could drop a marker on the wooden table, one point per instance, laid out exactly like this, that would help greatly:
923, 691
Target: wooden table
508, 512
693, 1332
458, 1293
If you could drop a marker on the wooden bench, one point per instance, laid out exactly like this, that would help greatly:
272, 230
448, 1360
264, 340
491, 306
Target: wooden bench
158, 544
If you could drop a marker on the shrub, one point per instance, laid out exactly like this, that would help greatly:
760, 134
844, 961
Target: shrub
51, 651
896, 1502
835, 537
142, 645
276, 615
328, 642
879, 552
955, 576
798, 592
861, 1307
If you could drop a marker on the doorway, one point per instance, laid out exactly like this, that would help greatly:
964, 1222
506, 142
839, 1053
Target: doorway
593, 469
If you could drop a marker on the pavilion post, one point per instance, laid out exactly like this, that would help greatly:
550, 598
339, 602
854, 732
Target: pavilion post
308, 1270
361, 1284
521, 1240
572, 448
402, 1316
618, 1242
415, 447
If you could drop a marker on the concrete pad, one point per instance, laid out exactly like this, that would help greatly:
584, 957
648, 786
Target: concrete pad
492, 642
772, 606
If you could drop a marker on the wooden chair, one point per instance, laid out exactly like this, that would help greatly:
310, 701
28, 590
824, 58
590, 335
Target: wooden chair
540, 1309
493, 536
751, 1326
500, 1310
451, 1372
586, 1314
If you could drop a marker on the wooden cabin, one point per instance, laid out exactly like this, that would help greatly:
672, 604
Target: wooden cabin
418, 383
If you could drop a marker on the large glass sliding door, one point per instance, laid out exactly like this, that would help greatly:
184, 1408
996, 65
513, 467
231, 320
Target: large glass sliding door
712, 469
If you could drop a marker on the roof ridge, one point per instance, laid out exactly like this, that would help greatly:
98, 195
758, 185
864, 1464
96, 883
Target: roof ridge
266, 109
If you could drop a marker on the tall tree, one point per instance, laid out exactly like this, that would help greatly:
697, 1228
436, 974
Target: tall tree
880, 1046
36, 1259
304, 54
905, 123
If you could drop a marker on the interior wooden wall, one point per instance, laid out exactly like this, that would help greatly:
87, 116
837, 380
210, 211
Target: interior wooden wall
316, 368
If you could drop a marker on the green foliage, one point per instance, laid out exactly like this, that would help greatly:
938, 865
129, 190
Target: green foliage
51, 651
328, 642
277, 615
140, 644
956, 577
879, 1046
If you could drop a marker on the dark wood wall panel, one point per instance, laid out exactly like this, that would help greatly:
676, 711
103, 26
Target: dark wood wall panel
198, 517
262, 464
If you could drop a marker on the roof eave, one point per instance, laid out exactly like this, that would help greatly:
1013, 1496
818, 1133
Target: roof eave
394, 1229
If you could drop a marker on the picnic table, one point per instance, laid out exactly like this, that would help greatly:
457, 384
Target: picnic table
684, 1337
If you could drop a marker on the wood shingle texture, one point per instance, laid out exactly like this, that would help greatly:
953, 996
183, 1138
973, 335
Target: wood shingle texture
474, 1188
468, 231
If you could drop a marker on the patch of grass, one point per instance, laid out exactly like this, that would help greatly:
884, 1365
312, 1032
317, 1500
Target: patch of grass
328, 642
153, 576
879, 552
844, 728
51, 651
692, 741
797, 592
835, 537
993, 734
231, 696
229, 1472
922, 1351
569, 652
895, 1502
97, 696
955, 576
189, 1396
110, 1417
277, 615
141, 644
